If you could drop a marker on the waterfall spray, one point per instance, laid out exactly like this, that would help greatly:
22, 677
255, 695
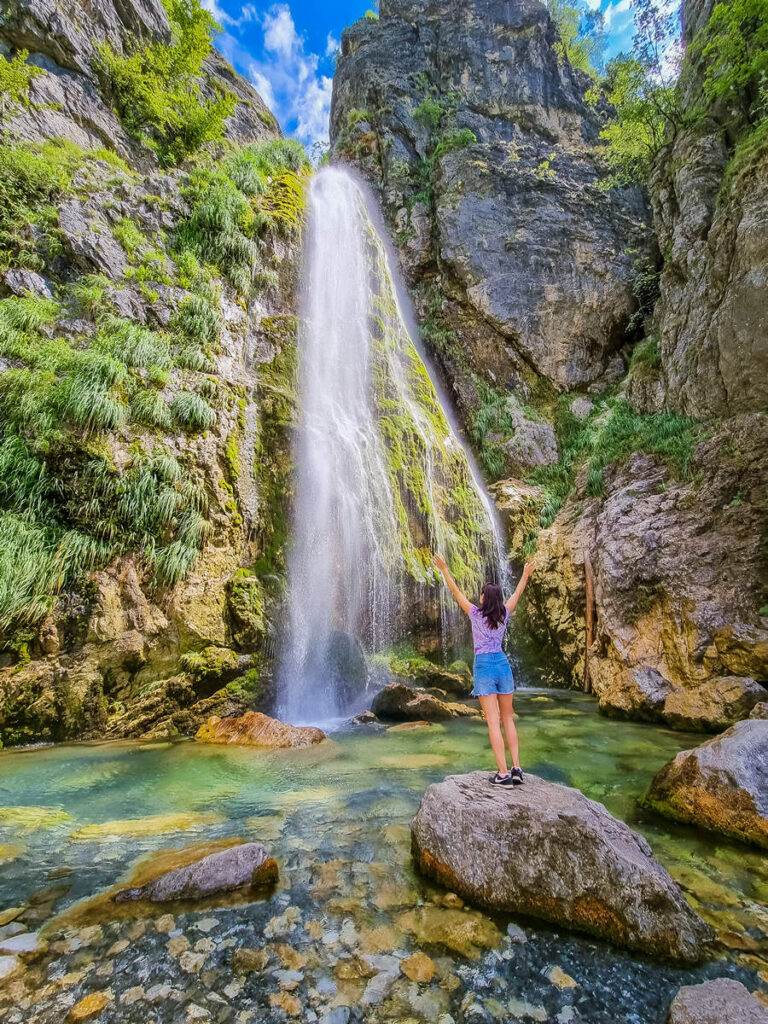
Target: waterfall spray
382, 480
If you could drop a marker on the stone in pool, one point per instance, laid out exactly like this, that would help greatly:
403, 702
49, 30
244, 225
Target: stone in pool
400, 703
547, 851
721, 1001
254, 729
721, 785
249, 865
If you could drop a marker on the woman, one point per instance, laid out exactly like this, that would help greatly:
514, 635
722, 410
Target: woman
494, 685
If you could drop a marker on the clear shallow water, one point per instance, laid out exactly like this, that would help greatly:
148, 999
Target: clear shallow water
336, 817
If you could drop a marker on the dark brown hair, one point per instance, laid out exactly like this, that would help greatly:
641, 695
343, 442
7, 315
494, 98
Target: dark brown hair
492, 607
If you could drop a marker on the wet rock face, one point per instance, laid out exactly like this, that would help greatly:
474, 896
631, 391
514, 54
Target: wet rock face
254, 729
721, 1001
547, 851
721, 785
678, 633
239, 867
531, 258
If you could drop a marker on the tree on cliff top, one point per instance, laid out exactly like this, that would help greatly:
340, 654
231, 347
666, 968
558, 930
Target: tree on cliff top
156, 90
581, 35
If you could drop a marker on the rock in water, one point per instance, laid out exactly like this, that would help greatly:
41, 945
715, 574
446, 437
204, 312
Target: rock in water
400, 703
547, 851
254, 729
722, 1001
247, 866
721, 785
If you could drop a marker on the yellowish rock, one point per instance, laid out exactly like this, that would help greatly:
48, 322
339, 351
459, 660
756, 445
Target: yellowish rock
10, 914
254, 729
88, 1008
465, 932
155, 825
33, 818
10, 851
291, 958
560, 979
165, 923
409, 726
246, 960
286, 1002
419, 967
178, 944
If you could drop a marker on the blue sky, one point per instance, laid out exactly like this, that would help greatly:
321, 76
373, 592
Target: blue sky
287, 49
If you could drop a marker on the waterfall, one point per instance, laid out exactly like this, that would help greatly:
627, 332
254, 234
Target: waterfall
382, 480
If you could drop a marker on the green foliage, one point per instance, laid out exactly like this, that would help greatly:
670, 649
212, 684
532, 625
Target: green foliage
491, 425
231, 214
645, 288
612, 432
155, 87
198, 320
734, 48
129, 236
149, 407
646, 356
643, 88
89, 293
581, 35
16, 78
192, 412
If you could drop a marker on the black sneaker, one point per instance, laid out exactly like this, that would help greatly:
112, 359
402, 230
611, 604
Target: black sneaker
516, 776
501, 780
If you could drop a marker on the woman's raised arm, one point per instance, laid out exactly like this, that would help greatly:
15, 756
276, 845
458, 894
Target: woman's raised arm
463, 602
511, 602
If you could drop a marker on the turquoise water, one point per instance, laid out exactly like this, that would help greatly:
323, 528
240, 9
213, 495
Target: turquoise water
74, 819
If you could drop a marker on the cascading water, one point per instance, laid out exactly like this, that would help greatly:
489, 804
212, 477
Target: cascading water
382, 480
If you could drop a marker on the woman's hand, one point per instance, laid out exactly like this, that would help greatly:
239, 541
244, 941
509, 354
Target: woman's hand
529, 568
440, 563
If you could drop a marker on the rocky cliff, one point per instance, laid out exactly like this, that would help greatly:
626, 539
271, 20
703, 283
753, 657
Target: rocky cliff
482, 147
147, 385
644, 452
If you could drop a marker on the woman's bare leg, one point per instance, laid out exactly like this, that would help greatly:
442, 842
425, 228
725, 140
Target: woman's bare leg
508, 720
490, 706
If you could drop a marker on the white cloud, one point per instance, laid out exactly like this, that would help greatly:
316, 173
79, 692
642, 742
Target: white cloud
289, 80
331, 45
618, 16
280, 35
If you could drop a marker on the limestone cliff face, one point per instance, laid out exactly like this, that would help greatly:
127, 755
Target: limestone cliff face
122, 649
711, 222
484, 153
68, 102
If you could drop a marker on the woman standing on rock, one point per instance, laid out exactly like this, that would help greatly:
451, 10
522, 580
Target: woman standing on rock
494, 685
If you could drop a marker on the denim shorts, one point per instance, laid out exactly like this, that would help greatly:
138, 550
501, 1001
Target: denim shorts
492, 675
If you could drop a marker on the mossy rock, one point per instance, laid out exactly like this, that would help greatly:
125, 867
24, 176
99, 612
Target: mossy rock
212, 667
426, 673
245, 604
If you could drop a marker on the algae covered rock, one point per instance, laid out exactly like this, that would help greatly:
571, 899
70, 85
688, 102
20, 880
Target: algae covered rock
254, 729
720, 1001
456, 679
721, 785
399, 702
713, 706
547, 851
249, 865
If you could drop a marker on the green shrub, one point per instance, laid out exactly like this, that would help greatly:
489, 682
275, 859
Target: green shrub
173, 562
130, 237
133, 344
16, 78
252, 167
192, 412
90, 294
491, 425
155, 87
150, 407
198, 320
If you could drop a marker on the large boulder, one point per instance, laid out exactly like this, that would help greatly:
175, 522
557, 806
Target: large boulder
254, 729
721, 1001
456, 679
401, 703
547, 851
713, 706
247, 866
721, 785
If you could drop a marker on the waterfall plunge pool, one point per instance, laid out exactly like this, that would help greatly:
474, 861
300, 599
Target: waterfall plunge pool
73, 819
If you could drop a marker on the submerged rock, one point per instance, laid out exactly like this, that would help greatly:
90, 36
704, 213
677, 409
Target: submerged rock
547, 851
721, 1001
254, 729
405, 703
247, 866
721, 785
